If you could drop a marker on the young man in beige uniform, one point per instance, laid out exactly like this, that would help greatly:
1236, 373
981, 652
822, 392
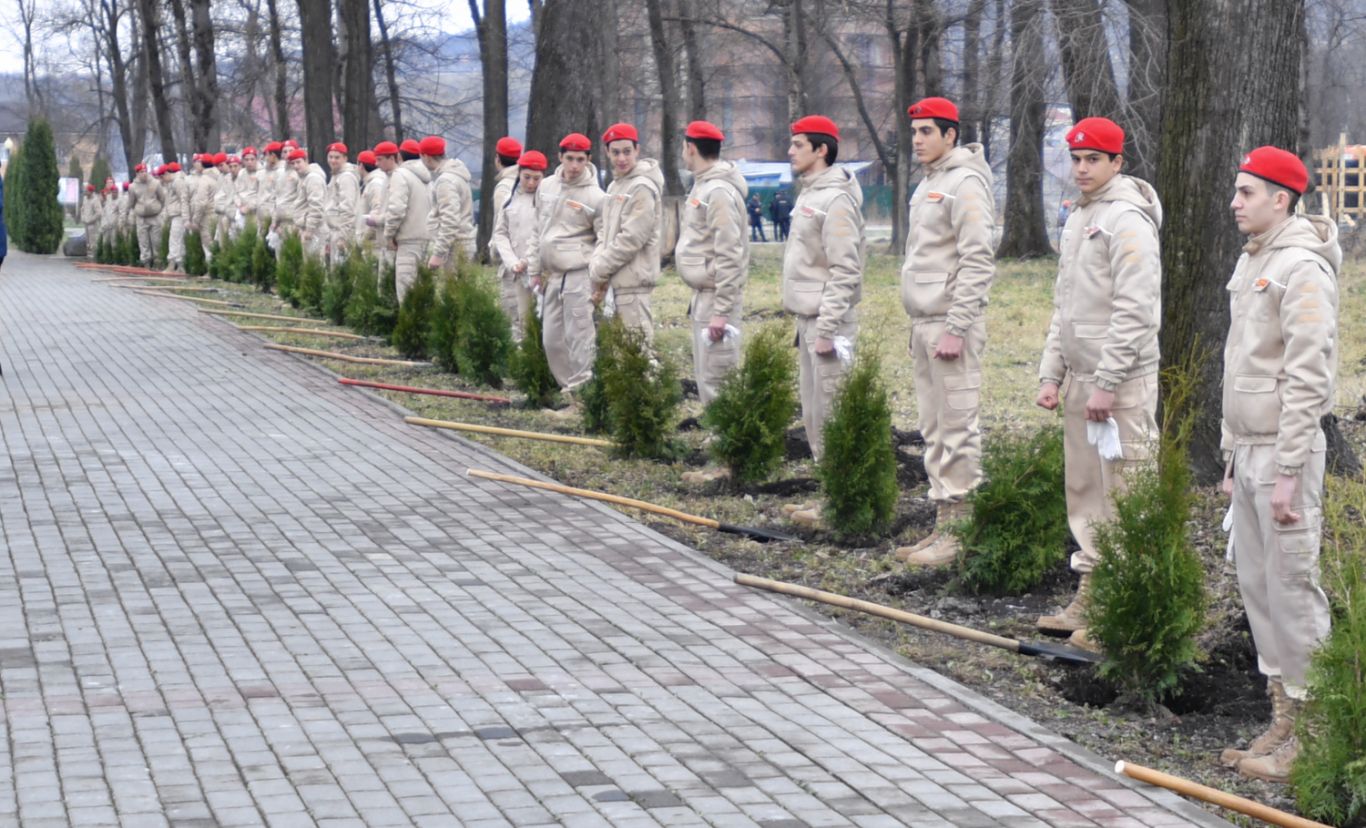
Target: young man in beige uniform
1101, 352
512, 236
371, 198
944, 284
822, 280
109, 213
249, 185
507, 152
407, 205
712, 255
286, 190
225, 197
1280, 365
341, 203
452, 218
90, 217
202, 217
311, 194
627, 255
145, 202
177, 195
569, 222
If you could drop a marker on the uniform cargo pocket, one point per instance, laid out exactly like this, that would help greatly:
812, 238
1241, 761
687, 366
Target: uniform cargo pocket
962, 392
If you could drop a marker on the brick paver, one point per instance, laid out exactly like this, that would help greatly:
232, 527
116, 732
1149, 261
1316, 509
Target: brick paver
233, 592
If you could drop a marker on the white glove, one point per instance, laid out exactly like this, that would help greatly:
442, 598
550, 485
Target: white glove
1105, 437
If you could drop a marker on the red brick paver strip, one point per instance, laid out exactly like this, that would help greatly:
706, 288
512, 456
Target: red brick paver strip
234, 592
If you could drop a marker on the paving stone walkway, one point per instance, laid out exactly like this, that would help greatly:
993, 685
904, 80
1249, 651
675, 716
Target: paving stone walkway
234, 592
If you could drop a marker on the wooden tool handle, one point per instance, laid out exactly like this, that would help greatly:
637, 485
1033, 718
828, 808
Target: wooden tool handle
508, 432
273, 346
879, 610
592, 495
1186, 787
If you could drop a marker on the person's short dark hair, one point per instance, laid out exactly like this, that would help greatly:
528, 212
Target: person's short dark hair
368, 167
945, 125
708, 148
1110, 155
1273, 188
507, 160
832, 147
408, 156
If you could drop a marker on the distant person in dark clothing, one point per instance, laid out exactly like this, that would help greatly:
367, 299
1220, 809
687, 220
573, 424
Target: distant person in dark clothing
781, 211
756, 220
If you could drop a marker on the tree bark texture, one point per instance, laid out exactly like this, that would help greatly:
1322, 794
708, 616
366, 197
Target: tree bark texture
662, 47
491, 27
1026, 233
207, 69
565, 93
1085, 55
315, 24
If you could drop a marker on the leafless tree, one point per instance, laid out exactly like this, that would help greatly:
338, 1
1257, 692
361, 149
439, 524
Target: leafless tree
491, 27
1026, 231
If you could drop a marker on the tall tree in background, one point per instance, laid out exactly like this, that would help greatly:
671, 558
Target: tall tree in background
1026, 233
492, 29
315, 29
188, 84
1147, 82
111, 17
150, 13
697, 79
1085, 56
390, 72
1232, 87
671, 102
277, 54
565, 94
28, 12
206, 88
359, 113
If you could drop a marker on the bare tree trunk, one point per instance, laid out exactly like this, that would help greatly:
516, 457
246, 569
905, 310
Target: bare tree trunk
150, 11
794, 39
188, 82
118, 71
1086, 68
697, 79
904, 47
1026, 233
390, 72
1256, 70
33, 95
138, 104
565, 93
927, 20
357, 76
315, 24
668, 87
995, 58
1147, 82
491, 27
280, 98
207, 88
971, 111
610, 111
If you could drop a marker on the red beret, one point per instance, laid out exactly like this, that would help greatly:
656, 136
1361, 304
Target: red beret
232, 159
411, 146
298, 154
90, 188
942, 108
290, 143
1277, 166
139, 168
533, 160
220, 158
704, 130
248, 151
620, 132
366, 157
1100, 134
576, 142
386, 148
159, 171
508, 148
818, 124
337, 146
432, 145
174, 166
125, 186
275, 147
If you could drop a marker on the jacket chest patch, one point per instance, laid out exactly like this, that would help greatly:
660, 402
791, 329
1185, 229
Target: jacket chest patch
811, 212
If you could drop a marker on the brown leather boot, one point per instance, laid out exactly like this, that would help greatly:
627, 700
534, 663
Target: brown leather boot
1073, 616
904, 552
1282, 727
1275, 766
1081, 640
944, 551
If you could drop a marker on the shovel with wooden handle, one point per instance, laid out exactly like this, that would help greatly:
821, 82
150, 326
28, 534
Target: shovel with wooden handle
752, 532
1060, 652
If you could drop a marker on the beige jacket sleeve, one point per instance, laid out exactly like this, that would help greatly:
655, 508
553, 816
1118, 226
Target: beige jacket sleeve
445, 206
312, 191
501, 243
841, 236
396, 204
728, 222
201, 203
1308, 328
1136, 271
346, 201
533, 249
973, 216
639, 220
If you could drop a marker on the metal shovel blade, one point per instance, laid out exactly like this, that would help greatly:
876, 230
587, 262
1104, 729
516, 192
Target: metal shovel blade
1059, 652
755, 533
